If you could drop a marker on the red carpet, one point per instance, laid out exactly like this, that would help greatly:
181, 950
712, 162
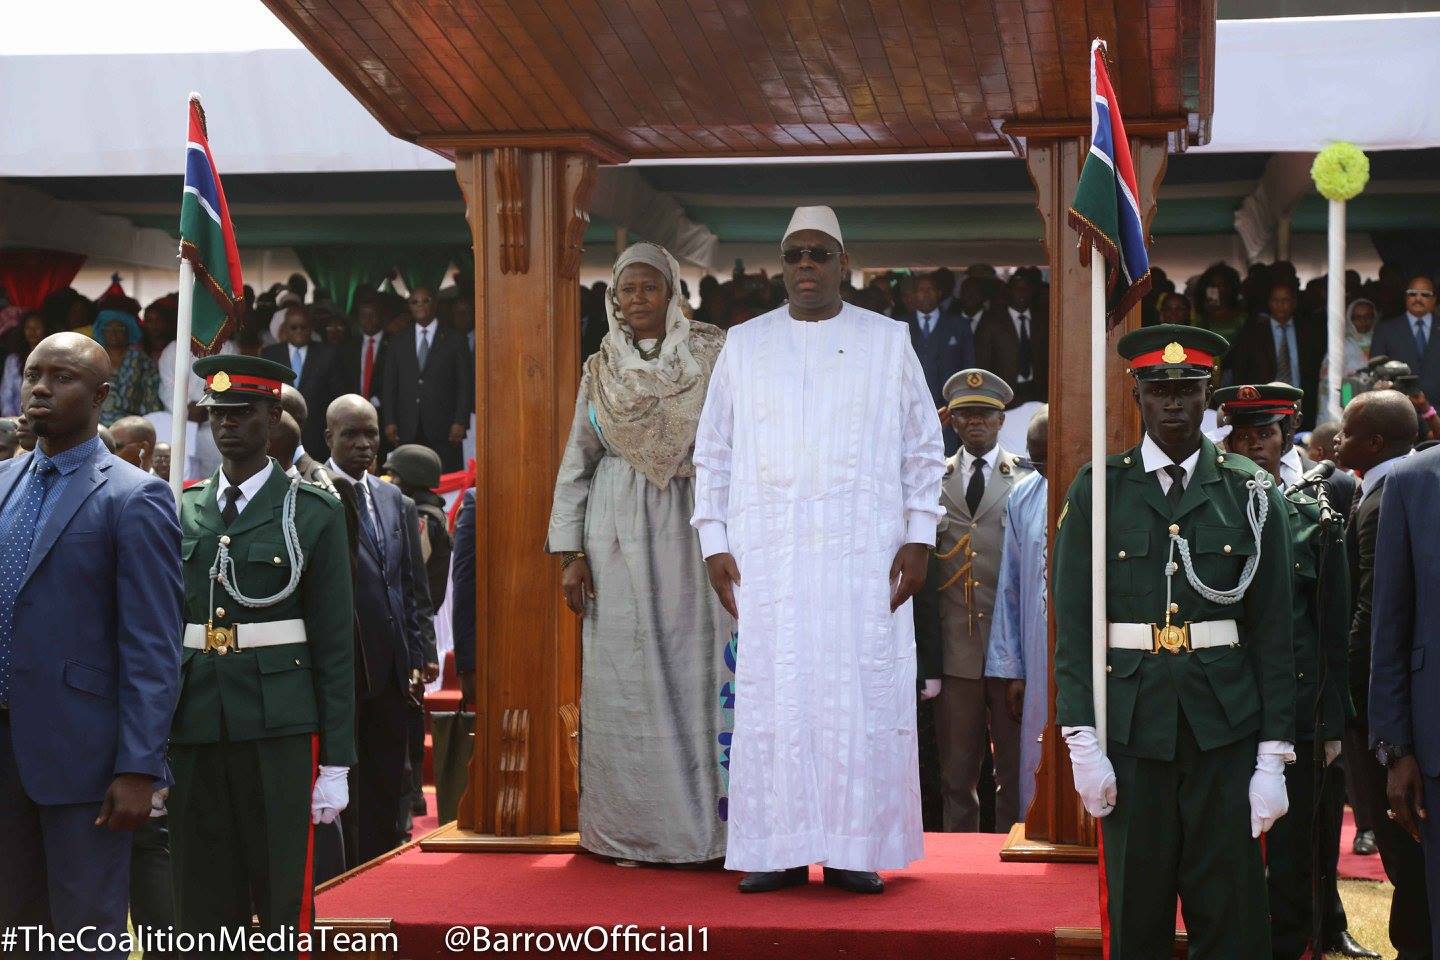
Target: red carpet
959, 902
1354, 867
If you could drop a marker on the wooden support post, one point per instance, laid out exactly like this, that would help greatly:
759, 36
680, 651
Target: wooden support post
1056, 827
528, 210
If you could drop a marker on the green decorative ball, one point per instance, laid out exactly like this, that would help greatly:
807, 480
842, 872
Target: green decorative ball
1340, 171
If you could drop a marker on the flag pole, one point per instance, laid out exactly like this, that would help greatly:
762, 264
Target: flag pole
180, 395
1335, 307
1099, 631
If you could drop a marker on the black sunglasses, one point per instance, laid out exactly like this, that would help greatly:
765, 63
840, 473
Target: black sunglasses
817, 254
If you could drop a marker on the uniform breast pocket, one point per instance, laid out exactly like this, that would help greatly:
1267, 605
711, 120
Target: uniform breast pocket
1219, 552
1129, 554
286, 686
266, 569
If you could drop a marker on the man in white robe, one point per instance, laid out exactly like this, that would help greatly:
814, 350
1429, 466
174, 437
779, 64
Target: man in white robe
818, 467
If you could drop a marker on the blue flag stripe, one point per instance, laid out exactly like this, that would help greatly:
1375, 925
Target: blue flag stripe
200, 180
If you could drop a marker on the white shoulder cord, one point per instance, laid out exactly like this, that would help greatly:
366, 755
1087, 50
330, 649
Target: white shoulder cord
222, 571
1255, 511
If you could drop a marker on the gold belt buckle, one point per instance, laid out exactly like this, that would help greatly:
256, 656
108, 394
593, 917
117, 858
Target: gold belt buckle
1170, 638
220, 640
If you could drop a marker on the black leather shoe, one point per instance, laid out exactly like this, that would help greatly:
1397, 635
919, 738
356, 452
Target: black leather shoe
1364, 844
856, 881
1347, 946
769, 880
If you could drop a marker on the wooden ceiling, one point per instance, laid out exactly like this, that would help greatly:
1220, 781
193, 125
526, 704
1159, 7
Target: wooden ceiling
675, 78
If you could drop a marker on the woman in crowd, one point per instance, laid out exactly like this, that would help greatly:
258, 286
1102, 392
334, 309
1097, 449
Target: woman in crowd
135, 382
1360, 319
158, 324
20, 339
654, 634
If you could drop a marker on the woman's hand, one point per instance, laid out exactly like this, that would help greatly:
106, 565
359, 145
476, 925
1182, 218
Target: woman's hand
578, 586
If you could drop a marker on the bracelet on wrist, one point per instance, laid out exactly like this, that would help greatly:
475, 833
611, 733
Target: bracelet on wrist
570, 556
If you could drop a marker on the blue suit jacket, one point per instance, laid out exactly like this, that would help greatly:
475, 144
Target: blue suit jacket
97, 633
1395, 338
1404, 640
462, 586
385, 608
950, 347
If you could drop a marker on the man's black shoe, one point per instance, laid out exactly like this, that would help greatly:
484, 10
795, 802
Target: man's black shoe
1347, 946
1364, 844
768, 880
856, 881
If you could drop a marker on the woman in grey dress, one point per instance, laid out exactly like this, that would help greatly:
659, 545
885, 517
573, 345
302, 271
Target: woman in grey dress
656, 669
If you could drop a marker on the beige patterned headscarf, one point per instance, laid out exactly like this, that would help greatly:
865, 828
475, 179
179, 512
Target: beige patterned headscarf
648, 409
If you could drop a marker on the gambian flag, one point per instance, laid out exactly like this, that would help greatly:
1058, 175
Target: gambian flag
1106, 211
207, 240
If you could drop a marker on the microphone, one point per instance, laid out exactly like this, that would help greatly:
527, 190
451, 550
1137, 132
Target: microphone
1316, 474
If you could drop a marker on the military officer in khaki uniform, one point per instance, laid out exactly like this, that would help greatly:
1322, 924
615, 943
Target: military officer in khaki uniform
1200, 692
264, 731
971, 710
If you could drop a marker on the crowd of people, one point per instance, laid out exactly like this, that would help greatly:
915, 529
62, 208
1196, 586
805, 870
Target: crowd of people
812, 572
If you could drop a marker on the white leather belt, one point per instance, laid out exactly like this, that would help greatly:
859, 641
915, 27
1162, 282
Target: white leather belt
1207, 633
243, 636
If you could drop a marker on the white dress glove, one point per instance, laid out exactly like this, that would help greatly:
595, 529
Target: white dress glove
931, 691
1332, 751
331, 794
1094, 774
1268, 799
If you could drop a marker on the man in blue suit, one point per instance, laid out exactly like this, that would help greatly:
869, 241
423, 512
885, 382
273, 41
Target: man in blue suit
391, 646
462, 589
941, 340
1410, 337
90, 623
1405, 658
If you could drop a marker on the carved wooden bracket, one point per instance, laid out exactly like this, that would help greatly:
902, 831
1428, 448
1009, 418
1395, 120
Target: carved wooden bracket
512, 207
577, 183
510, 819
570, 720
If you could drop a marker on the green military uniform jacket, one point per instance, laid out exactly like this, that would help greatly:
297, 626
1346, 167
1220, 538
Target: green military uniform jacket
281, 690
1327, 612
1226, 693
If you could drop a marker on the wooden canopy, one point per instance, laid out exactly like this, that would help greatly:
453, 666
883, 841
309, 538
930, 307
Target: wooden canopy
670, 78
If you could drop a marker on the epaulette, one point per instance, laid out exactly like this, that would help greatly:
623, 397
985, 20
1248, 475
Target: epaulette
1238, 463
316, 490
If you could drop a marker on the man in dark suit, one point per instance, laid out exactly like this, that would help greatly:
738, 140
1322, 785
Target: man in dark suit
86, 689
317, 373
1012, 341
1404, 706
462, 588
362, 361
1410, 337
1256, 356
427, 394
1375, 435
941, 340
387, 618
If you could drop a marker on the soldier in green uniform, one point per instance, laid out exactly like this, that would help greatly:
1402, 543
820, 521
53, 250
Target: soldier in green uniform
1200, 692
1262, 420
264, 731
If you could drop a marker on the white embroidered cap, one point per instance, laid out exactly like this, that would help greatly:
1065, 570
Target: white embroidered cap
815, 218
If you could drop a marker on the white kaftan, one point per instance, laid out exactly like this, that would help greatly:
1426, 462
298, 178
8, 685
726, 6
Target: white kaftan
818, 456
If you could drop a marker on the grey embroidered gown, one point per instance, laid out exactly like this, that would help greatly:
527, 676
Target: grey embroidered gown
657, 666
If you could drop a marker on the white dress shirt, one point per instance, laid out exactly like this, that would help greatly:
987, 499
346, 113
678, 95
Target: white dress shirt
928, 321
1421, 325
248, 488
1155, 461
1375, 474
425, 333
989, 459
1291, 469
1284, 337
362, 487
